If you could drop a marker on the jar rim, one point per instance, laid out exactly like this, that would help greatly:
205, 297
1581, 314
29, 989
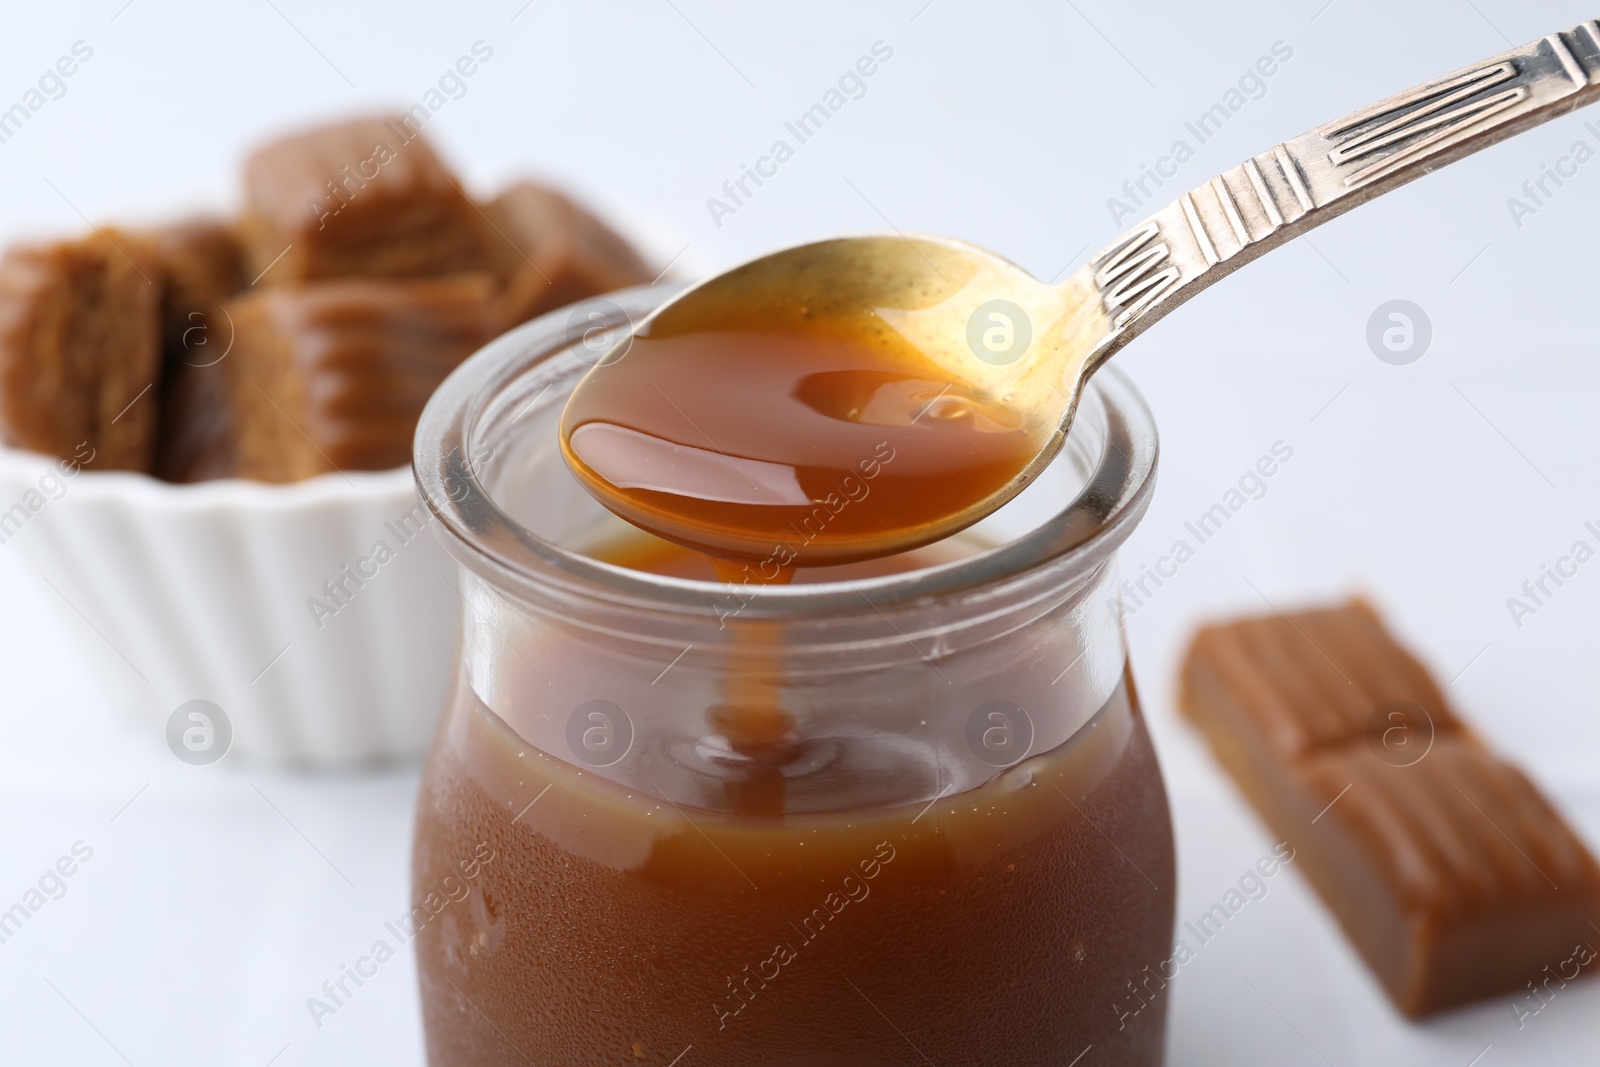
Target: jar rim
480, 534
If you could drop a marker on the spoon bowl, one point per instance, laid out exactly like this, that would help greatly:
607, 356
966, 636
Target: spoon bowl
947, 347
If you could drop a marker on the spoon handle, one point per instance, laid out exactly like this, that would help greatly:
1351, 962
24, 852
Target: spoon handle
1276, 196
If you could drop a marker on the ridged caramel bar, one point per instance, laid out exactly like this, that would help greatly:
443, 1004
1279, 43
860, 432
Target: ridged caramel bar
552, 252
367, 197
201, 264
80, 349
333, 376
1446, 867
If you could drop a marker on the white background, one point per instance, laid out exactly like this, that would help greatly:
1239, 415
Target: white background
222, 897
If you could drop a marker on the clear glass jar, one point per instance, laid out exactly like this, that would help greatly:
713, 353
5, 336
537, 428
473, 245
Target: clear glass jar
965, 858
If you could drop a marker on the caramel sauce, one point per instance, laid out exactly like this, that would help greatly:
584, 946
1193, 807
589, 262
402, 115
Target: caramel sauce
782, 436
1004, 923
774, 436
751, 715
639, 551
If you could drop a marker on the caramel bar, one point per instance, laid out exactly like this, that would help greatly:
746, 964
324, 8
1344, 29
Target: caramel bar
1448, 870
366, 197
333, 376
552, 252
79, 349
201, 264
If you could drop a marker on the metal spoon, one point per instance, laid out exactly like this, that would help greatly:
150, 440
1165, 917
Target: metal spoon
993, 328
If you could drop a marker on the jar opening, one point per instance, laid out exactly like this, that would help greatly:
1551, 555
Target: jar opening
488, 466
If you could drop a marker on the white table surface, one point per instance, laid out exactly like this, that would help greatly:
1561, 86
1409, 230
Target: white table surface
218, 899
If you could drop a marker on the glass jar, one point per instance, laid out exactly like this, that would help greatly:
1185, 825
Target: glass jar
964, 856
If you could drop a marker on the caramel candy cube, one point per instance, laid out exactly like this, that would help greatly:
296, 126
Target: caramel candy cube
201, 264
551, 252
80, 352
1449, 871
1453, 877
362, 198
198, 435
1312, 680
333, 376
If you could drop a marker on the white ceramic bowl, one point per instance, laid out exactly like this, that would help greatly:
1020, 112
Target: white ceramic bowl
211, 591
319, 616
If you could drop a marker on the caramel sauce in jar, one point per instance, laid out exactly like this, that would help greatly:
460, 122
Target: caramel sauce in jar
698, 821
871, 919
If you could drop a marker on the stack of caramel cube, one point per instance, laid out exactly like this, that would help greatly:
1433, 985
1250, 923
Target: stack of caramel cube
302, 338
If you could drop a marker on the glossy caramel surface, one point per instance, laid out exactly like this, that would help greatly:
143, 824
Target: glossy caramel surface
794, 428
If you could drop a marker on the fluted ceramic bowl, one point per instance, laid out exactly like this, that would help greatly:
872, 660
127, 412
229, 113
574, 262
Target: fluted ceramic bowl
319, 616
